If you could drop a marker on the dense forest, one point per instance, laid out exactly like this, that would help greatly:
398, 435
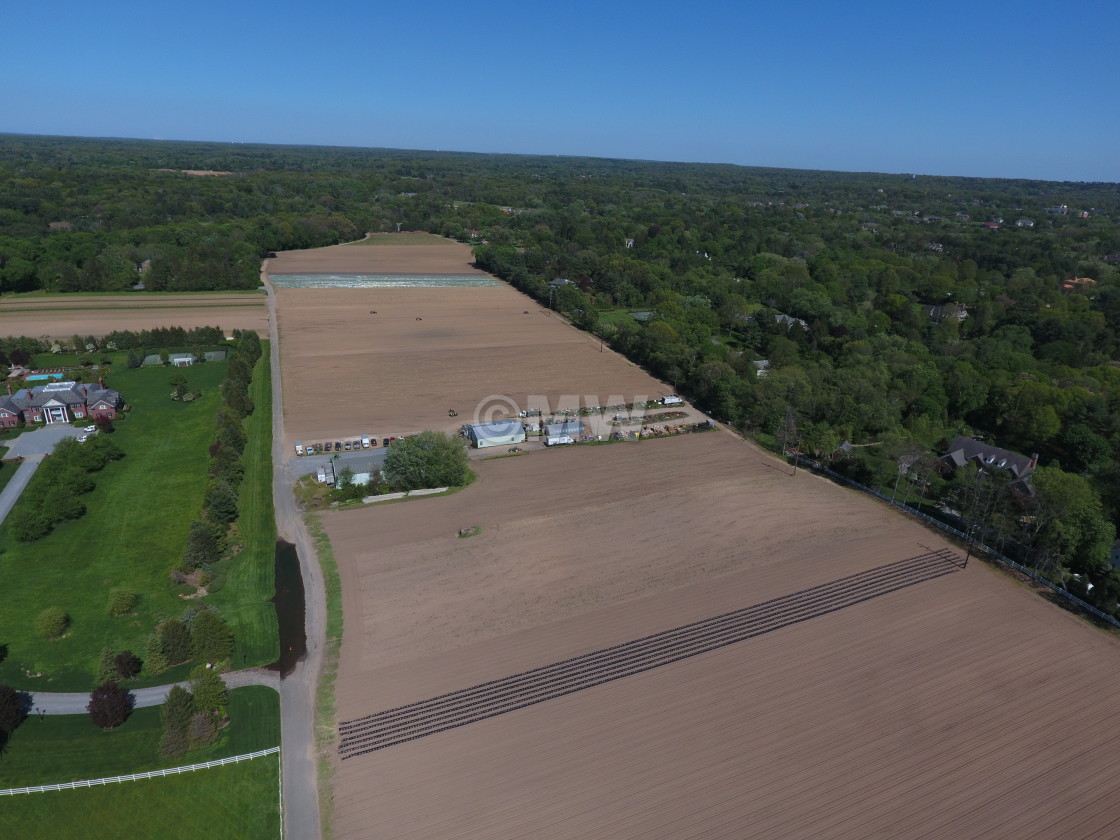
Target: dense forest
810, 309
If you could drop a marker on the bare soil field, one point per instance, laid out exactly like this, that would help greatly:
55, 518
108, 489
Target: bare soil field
962, 707
405, 253
62, 316
388, 361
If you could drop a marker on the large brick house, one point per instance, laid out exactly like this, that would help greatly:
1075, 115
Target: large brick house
60, 402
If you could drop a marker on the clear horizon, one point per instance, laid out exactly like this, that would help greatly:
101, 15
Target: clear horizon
996, 91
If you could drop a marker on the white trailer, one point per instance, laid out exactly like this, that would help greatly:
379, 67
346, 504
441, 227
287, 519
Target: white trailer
299, 447
672, 401
560, 440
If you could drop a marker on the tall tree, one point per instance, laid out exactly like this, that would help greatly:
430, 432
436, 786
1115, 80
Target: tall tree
109, 706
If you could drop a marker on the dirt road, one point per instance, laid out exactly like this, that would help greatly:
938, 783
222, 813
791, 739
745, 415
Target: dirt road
298, 689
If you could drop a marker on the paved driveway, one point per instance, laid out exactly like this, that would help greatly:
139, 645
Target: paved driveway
42, 441
32, 447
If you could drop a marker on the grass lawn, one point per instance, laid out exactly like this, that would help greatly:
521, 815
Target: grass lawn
235, 802
65, 748
615, 316
246, 597
132, 535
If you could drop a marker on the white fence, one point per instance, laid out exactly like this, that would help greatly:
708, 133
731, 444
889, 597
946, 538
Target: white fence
171, 771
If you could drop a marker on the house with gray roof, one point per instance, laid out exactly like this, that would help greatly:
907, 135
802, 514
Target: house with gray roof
497, 433
989, 458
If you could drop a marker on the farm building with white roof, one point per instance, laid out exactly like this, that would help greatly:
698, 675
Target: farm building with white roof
498, 433
569, 428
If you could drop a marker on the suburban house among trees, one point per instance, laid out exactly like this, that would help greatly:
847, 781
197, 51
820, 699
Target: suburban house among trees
990, 458
60, 402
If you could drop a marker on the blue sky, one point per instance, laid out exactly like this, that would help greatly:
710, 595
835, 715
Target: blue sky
1000, 89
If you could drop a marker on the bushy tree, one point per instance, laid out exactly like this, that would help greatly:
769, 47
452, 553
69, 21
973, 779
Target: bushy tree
128, 665
28, 525
175, 714
211, 637
154, 658
202, 546
106, 667
175, 641
109, 706
210, 692
52, 623
13, 709
122, 602
202, 729
428, 459
221, 503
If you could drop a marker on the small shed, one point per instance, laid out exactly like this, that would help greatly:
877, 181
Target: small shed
497, 433
569, 428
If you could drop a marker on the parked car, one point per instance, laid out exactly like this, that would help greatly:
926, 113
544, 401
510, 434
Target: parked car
338, 446
347, 446
90, 429
83, 438
385, 442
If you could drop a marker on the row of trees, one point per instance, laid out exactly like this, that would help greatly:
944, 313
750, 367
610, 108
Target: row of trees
54, 493
207, 534
201, 634
191, 717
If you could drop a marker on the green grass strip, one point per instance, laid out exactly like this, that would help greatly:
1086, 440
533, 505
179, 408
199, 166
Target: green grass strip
246, 598
325, 708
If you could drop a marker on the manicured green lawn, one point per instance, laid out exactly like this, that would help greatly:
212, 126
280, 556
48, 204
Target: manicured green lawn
235, 802
130, 538
132, 535
65, 748
246, 597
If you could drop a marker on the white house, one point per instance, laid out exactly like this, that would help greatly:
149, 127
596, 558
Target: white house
497, 433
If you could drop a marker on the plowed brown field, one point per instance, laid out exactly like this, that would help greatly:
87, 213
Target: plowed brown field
62, 316
426, 350
962, 707
380, 254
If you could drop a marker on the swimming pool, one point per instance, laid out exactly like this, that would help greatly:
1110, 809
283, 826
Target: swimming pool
38, 377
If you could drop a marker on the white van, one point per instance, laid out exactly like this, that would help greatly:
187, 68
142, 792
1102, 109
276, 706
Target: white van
365, 441
299, 448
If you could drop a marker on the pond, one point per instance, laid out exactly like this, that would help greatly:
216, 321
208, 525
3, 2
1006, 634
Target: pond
290, 609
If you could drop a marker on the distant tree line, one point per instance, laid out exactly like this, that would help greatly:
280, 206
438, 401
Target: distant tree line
889, 311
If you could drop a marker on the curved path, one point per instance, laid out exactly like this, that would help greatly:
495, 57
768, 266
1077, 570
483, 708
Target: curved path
74, 703
298, 689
